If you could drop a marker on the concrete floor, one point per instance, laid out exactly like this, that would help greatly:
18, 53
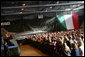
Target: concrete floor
27, 50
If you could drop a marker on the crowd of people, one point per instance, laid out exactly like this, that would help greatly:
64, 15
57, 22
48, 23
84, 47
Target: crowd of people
61, 43
66, 43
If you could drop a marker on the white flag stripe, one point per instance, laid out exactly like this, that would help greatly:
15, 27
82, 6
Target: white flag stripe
69, 22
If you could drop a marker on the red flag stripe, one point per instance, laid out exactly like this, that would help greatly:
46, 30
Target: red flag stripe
75, 21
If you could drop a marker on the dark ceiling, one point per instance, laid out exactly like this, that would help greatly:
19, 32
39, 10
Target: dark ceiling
30, 13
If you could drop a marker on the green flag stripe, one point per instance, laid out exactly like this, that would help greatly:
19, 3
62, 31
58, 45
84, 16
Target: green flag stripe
61, 19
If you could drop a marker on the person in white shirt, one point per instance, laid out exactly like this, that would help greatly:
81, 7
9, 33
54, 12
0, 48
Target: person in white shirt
81, 47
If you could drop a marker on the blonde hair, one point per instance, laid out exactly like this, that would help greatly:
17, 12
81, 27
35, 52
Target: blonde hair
80, 42
75, 46
66, 47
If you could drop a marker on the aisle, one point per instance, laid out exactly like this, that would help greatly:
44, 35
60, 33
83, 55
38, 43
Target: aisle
27, 50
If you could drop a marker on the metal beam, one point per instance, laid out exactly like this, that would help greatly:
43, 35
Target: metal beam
37, 12
76, 7
38, 6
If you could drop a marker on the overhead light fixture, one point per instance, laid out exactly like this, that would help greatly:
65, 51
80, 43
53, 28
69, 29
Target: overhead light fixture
22, 9
50, 7
82, 1
40, 16
57, 2
20, 12
23, 4
68, 9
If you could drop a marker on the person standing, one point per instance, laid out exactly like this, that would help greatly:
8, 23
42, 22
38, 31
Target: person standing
81, 48
75, 50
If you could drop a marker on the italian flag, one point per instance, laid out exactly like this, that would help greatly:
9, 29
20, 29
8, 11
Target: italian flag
69, 21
